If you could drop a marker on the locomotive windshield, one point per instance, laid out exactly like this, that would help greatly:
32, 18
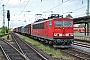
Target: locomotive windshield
68, 23
58, 23
63, 23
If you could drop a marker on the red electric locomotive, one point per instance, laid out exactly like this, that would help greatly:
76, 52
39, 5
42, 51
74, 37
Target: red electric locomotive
54, 30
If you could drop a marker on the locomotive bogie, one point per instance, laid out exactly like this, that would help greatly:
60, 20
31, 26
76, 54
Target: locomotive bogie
63, 41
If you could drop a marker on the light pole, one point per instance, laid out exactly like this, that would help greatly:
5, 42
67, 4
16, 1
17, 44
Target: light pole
4, 19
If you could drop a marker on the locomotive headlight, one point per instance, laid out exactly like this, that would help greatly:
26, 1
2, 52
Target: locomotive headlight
71, 34
60, 34
55, 34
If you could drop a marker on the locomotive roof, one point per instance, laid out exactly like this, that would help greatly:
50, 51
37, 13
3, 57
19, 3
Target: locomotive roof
20, 27
27, 25
41, 21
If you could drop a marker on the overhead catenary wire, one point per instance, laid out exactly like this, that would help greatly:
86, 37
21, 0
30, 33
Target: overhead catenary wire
57, 5
62, 3
37, 5
24, 7
3, 4
72, 6
79, 8
6, 3
17, 8
82, 6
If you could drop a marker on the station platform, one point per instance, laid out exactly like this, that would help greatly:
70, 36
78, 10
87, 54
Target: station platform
81, 36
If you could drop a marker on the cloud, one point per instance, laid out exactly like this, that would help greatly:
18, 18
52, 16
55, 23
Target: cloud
36, 6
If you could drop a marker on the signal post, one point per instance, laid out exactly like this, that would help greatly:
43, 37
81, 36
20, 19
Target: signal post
8, 17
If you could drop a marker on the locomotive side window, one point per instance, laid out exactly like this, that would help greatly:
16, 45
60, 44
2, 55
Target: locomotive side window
50, 23
41, 26
35, 26
38, 26
58, 23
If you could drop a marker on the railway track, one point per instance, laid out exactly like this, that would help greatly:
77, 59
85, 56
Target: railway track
26, 49
10, 52
77, 54
82, 38
2, 56
86, 45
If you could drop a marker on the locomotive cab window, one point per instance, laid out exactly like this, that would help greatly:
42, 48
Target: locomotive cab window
68, 23
58, 23
63, 23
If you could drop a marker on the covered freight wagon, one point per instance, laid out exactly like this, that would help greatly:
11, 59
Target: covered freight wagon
27, 29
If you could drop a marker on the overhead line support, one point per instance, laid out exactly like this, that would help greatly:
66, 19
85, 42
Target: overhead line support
87, 13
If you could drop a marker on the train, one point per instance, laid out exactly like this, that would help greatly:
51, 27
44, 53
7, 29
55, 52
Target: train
80, 30
56, 30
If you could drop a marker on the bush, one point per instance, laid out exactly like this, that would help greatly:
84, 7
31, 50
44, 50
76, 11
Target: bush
3, 30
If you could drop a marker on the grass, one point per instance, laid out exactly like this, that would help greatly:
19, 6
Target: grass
1, 33
47, 49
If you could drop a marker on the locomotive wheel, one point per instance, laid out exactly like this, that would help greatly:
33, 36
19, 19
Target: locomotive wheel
46, 42
50, 43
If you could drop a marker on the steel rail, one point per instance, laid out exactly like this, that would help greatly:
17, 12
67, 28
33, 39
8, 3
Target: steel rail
6, 55
19, 47
24, 56
81, 44
35, 50
77, 55
32, 48
81, 52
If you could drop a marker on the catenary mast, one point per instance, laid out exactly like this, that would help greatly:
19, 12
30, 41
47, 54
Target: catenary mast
4, 18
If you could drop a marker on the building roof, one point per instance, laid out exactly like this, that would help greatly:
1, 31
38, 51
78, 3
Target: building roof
81, 20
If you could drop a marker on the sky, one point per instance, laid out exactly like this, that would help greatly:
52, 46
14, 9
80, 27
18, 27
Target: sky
23, 12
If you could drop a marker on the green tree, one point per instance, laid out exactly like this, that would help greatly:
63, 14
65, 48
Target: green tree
4, 29
81, 25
